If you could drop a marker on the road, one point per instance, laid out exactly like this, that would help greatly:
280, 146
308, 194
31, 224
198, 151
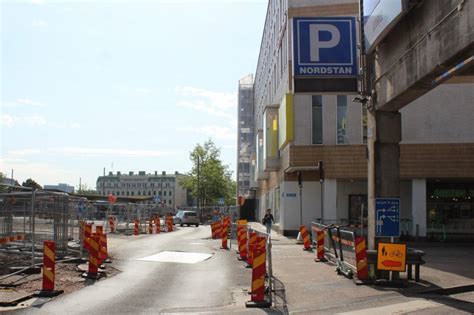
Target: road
217, 284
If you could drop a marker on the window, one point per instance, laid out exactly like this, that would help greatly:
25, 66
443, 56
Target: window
342, 120
132, 193
364, 125
169, 202
317, 119
164, 193
170, 193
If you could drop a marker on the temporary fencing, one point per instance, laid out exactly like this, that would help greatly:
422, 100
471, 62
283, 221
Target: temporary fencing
338, 244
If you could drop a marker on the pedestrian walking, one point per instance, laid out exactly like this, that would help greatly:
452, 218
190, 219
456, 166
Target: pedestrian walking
268, 220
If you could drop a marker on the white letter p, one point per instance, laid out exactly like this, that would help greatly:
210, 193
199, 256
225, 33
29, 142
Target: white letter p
316, 44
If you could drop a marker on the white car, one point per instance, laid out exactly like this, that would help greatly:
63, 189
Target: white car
186, 217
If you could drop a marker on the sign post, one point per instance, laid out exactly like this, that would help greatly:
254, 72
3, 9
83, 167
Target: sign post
387, 211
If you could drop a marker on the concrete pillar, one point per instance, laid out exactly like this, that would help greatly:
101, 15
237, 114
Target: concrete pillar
384, 133
418, 206
330, 199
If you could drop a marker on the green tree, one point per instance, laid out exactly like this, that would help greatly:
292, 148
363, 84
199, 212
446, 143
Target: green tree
209, 180
32, 184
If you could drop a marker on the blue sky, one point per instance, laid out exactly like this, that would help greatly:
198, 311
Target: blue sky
125, 85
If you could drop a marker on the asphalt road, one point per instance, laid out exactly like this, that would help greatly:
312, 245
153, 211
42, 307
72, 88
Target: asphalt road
214, 285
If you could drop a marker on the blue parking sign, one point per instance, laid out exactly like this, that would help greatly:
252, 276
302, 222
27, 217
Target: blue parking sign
387, 212
325, 47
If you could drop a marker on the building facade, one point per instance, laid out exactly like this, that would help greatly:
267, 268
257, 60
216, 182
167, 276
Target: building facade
297, 125
62, 187
245, 137
165, 186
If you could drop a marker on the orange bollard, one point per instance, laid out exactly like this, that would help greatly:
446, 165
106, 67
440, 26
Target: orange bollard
243, 243
112, 224
150, 226
158, 223
305, 236
252, 244
93, 271
87, 235
218, 228
136, 229
224, 237
258, 279
49, 265
103, 249
213, 230
320, 246
361, 258
169, 223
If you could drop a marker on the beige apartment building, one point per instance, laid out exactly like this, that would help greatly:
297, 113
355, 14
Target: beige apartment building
164, 187
301, 120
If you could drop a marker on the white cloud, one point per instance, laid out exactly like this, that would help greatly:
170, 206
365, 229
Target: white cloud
39, 23
10, 121
22, 102
90, 152
221, 104
212, 131
143, 90
75, 125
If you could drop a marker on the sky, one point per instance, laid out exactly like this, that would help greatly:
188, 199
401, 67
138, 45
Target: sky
121, 85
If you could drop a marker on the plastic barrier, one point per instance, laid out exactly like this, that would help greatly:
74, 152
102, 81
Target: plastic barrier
93, 271
251, 245
169, 224
150, 226
361, 259
319, 246
112, 224
224, 236
136, 228
305, 236
243, 242
49, 265
158, 224
87, 235
8, 239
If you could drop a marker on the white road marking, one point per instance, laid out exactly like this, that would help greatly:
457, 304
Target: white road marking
177, 257
400, 308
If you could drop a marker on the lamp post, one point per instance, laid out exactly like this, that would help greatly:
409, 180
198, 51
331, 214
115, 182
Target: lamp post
198, 191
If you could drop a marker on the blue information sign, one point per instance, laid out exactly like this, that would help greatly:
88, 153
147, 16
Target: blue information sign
325, 47
387, 212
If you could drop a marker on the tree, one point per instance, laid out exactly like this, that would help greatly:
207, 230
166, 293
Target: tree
209, 180
32, 184
84, 189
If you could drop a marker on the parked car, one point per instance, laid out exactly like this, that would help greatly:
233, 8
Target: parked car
186, 217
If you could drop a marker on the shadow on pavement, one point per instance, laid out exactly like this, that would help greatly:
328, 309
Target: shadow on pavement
279, 305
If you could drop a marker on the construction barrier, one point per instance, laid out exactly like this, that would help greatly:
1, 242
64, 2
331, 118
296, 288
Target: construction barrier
214, 230
8, 239
112, 224
136, 229
243, 242
361, 258
224, 236
251, 245
93, 271
218, 229
258, 276
87, 235
305, 236
49, 265
169, 223
319, 246
158, 224
150, 226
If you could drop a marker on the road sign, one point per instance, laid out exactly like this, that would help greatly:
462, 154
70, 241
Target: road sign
221, 201
387, 212
391, 257
325, 47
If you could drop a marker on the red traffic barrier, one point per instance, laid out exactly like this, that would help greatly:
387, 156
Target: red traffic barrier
243, 243
87, 235
136, 229
150, 226
320, 246
112, 224
169, 223
305, 236
224, 237
93, 271
49, 265
361, 259
258, 279
158, 223
252, 244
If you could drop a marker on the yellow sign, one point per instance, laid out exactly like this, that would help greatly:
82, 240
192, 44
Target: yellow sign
391, 257
241, 222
